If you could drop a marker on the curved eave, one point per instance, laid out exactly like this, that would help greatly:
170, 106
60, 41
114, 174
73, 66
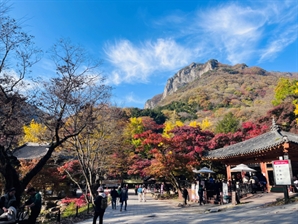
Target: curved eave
233, 155
258, 145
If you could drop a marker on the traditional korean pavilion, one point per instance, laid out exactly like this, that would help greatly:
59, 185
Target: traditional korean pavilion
30, 151
259, 152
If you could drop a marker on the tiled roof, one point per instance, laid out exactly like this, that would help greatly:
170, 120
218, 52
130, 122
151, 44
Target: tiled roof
31, 151
274, 137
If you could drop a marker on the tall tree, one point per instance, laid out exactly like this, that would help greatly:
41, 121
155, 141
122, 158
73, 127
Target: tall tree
72, 94
17, 55
94, 147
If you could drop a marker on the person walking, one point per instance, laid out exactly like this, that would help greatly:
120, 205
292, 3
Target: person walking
234, 187
34, 203
123, 198
101, 203
144, 192
185, 195
140, 191
201, 194
114, 195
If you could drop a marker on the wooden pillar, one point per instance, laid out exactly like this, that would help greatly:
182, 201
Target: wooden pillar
228, 169
263, 167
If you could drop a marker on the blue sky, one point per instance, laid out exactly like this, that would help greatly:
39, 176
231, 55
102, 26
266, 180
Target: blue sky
142, 43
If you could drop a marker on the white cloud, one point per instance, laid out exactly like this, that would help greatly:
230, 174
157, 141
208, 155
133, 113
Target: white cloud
278, 44
136, 63
243, 32
131, 98
233, 32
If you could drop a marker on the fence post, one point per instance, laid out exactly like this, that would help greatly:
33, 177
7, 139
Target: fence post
77, 211
58, 216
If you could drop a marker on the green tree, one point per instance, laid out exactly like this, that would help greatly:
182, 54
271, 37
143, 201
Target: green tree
285, 88
229, 124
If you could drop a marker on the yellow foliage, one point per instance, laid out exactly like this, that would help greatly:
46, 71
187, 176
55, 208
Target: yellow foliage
136, 142
295, 102
34, 132
179, 123
296, 109
194, 124
205, 124
168, 126
135, 126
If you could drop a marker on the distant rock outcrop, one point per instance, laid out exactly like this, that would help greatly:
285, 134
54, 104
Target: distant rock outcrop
187, 75
153, 102
182, 78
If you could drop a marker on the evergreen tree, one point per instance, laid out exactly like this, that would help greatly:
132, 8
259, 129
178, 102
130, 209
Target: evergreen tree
229, 124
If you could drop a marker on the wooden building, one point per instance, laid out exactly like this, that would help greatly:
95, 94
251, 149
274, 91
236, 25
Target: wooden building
259, 152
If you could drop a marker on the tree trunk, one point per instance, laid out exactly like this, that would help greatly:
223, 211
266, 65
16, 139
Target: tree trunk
11, 176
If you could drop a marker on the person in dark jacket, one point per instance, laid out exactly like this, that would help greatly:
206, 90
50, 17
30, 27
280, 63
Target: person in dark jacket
123, 198
114, 195
201, 194
235, 187
98, 210
34, 203
185, 195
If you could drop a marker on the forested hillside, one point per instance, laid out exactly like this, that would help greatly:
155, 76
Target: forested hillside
247, 92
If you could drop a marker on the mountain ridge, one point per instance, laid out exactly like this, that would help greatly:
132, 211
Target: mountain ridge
196, 72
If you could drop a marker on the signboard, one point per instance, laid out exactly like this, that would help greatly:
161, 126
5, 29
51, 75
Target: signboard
225, 192
282, 172
193, 192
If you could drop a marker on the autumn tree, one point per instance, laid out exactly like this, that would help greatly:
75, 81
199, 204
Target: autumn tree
93, 149
17, 55
286, 103
170, 156
49, 175
71, 94
285, 88
34, 132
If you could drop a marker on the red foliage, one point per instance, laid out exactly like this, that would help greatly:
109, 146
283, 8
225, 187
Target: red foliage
81, 201
73, 167
247, 131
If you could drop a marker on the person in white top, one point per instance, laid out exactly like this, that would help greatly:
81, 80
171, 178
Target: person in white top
144, 192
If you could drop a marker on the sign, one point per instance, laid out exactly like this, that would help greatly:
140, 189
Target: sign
225, 192
193, 192
282, 172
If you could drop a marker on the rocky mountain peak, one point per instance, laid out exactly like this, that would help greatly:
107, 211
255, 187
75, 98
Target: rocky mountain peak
182, 78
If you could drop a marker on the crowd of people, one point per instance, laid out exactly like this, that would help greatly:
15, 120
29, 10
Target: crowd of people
206, 188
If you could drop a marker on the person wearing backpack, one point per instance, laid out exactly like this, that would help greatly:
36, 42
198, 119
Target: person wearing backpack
101, 203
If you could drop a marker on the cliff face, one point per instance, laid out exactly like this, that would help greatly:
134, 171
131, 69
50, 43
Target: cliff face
181, 78
150, 104
187, 75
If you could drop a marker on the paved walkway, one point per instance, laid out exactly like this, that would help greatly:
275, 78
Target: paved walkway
167, 211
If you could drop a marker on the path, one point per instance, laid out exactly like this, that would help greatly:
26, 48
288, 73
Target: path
166, 212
